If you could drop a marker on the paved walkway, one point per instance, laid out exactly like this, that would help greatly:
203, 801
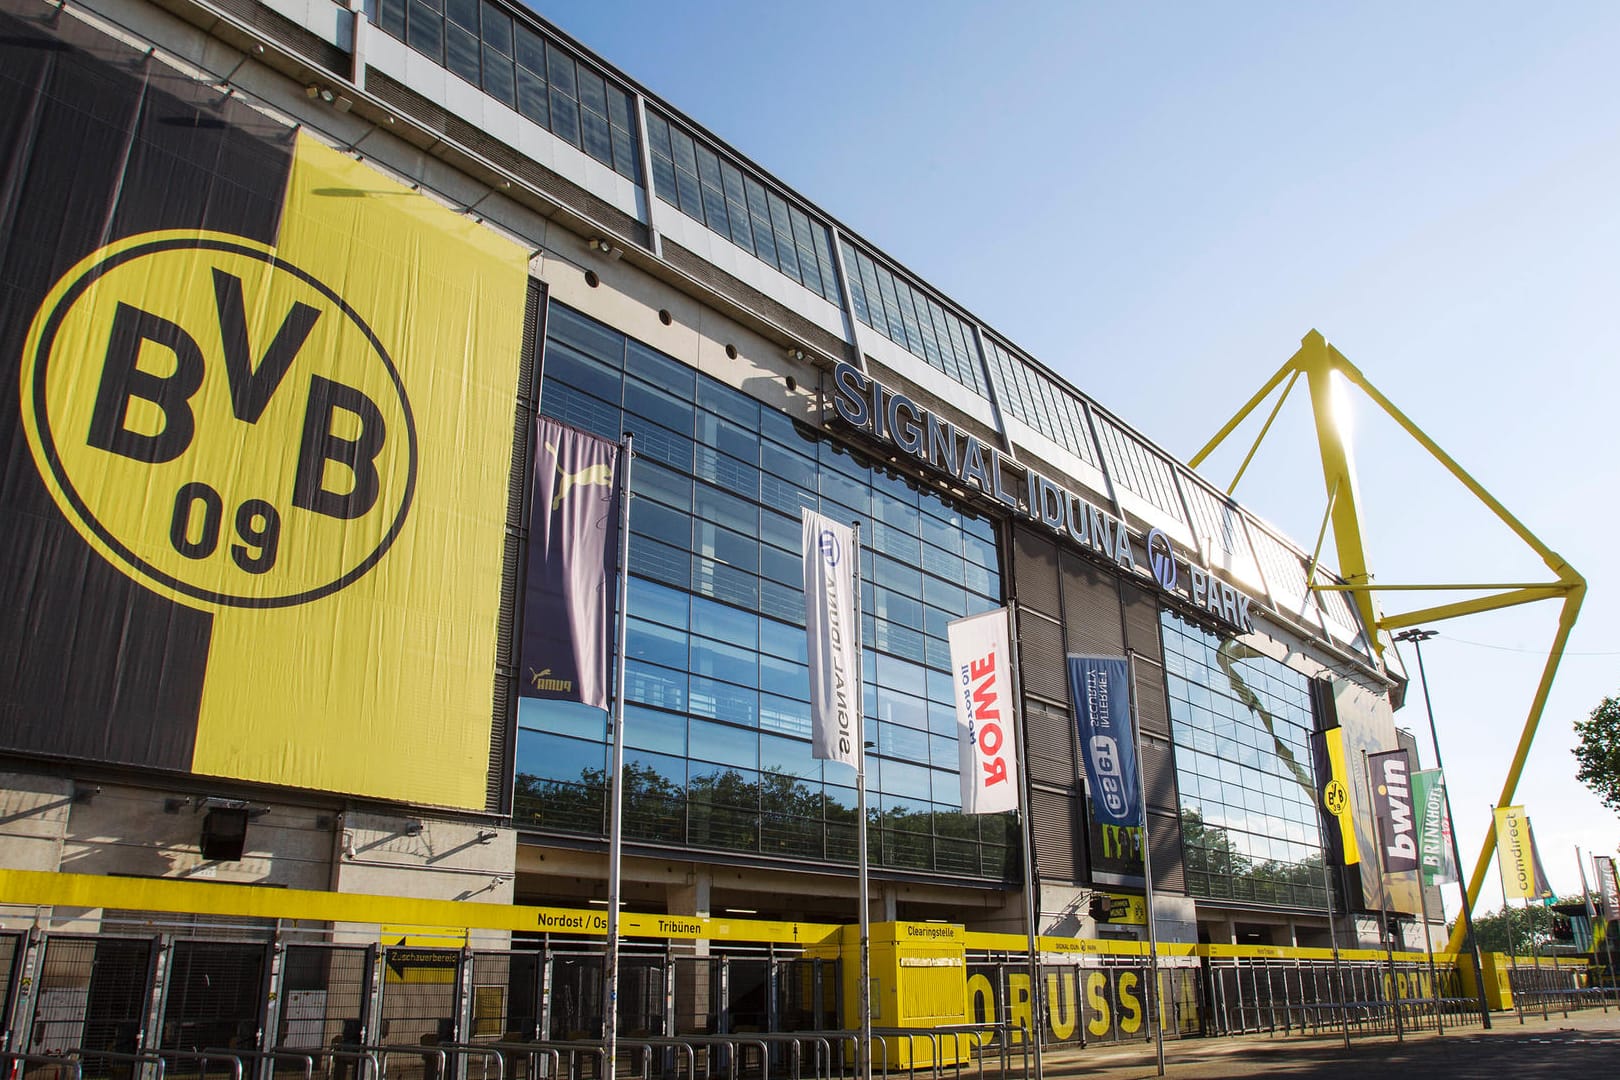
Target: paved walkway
1585, 1046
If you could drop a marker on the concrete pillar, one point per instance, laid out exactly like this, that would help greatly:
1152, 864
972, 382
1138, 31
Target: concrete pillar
691, 958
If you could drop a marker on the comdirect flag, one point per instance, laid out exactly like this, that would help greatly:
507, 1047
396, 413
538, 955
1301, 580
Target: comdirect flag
1608, 888
986, 722
573, 543
830, 559
1434, 833
1392, 807
1100, 686
1516, 858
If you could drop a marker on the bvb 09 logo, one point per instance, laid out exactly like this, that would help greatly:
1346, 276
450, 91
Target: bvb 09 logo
217, 422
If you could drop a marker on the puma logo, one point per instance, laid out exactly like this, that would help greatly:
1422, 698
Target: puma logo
589, 476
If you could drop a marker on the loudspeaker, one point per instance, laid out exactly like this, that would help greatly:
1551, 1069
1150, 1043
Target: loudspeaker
224, 833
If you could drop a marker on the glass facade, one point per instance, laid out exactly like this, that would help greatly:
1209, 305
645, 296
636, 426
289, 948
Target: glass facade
717, 691
1040, 401
512, 61
709, 187
1242, 724
913, 320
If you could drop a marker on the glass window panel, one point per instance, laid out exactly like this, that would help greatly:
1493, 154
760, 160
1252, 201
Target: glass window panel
592, 92
655, 644
651, 685
805, 249
497, 29
742, 234
790, 757
658, 406
723, 545
857, 288
728, 663
426, 31
531, 50
723, 744
463, 13
782, 226
780, 639
649, 729
597, 136
553, 757
759, 215
562, 718
906, 781
726, 623
665, 485
784, 677
712, 504
790, 716
391, 17
498, 77
582, 371
560, 70
658, 603
564, 116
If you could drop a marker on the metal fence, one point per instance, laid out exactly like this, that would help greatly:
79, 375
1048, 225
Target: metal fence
251, 1002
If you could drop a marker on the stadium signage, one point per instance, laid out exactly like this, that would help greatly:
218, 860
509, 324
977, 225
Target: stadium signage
938, 445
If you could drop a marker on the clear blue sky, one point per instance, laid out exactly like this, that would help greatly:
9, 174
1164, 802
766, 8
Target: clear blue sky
1159, 200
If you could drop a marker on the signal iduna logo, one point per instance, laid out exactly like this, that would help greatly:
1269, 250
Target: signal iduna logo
218, 423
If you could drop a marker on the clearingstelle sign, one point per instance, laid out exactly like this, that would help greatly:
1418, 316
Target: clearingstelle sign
894, 419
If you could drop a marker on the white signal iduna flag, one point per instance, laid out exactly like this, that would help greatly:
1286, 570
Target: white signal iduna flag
986, 720
830, 563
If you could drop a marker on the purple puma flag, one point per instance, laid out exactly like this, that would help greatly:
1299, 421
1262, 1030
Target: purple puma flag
573, 542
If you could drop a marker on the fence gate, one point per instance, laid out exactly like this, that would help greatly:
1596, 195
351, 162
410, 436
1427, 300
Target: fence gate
92, 994
323, 993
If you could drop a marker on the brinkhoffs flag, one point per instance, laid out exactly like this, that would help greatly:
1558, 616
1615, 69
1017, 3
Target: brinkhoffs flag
1434, 828
573, 550
256, 403
986, 721
1100, 686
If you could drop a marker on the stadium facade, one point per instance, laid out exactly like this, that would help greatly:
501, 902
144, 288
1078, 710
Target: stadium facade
285, 284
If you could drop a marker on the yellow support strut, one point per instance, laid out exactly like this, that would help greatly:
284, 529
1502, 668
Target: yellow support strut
1319, 362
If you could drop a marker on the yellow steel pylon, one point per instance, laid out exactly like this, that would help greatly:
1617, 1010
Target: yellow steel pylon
1317, 361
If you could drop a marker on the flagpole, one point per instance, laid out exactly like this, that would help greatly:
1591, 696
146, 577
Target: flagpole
1591, 916
1417, 638
1032, 877
1507, 913
1147, 869
1383, 904
859, 705
1428, 945
610, 964
1333, 939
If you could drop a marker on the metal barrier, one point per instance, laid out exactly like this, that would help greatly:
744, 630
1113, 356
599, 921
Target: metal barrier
16, 1065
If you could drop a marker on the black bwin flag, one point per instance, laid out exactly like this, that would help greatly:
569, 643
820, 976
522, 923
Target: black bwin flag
573, 542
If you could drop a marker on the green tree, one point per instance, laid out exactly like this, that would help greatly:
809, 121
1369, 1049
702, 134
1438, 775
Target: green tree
1516, 930
1599, 752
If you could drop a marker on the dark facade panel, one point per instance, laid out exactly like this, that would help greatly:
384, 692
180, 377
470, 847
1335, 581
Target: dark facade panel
1035, 572
1090, 608
1141, 620
1164, 848
1054, 835
1051, 755
1040, 656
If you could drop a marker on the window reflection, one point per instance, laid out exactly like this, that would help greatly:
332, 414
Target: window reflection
718, 722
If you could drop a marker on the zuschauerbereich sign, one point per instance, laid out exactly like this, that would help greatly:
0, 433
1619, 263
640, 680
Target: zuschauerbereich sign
868, 406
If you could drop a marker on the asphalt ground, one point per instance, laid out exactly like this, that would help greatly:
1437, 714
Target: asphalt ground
1585, 1045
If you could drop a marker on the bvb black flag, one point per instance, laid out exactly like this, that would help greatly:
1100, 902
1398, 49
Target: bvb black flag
573, 542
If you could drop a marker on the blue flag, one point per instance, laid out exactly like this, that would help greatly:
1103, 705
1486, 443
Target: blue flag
1100, 687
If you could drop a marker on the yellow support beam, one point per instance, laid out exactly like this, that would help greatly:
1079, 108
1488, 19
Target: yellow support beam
1320, 363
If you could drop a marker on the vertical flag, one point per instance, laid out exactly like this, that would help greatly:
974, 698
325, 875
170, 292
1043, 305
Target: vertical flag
830, 560
1392, 807
1544, 889
1434, 836
1333, 790
986, 729
1516, 858
1100, 687
573, 542
1608, 888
